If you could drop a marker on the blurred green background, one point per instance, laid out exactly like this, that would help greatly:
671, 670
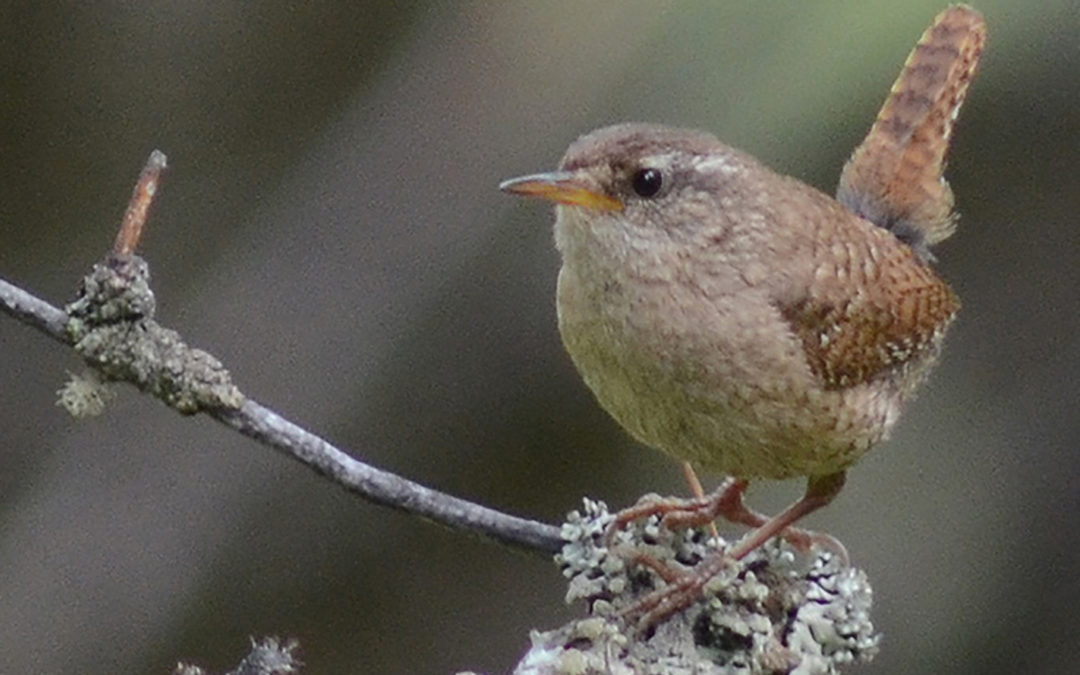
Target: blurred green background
330, 228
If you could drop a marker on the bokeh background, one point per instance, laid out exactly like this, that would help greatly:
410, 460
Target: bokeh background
330, 229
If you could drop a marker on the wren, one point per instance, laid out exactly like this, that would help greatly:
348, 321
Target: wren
745, 322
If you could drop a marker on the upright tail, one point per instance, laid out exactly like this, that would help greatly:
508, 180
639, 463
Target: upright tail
895, 177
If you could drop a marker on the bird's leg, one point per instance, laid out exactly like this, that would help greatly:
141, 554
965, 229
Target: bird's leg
699, 492
692, 480
727, 502
682, 590
683, 513
680, 514
685, 588
820, 490
730, 505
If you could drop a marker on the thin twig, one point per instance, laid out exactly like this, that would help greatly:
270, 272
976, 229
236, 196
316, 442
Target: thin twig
380, 487
131, 227
34, 311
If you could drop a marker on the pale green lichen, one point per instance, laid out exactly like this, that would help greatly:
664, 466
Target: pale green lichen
269, 656
85, 394
775, 612
112, 326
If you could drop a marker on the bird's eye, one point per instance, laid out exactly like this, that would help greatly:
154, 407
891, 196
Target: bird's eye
647, 182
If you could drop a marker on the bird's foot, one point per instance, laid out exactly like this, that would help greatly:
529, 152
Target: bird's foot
683, 588
653, 588
727, 502
676, 513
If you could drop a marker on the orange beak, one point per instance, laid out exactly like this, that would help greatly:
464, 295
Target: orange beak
563, 187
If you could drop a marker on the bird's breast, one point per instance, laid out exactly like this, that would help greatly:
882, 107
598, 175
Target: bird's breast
712, 376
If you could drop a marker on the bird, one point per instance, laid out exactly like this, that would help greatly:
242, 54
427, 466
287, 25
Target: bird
744, 322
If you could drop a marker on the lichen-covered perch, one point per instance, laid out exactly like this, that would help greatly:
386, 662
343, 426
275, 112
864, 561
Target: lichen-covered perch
776, 611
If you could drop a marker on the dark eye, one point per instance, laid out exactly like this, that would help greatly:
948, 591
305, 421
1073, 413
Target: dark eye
647, 182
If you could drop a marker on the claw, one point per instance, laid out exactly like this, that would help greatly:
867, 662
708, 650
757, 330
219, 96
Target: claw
683, 590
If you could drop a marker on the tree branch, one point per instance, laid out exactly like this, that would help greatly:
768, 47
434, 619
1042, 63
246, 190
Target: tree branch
262, 424
34, 311
111, 326
384, 488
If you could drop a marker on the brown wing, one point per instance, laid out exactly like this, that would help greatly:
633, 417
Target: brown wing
871, 310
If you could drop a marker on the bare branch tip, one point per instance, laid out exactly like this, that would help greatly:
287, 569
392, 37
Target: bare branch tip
131, 227
157, 160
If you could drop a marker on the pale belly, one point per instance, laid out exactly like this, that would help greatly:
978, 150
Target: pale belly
714, 393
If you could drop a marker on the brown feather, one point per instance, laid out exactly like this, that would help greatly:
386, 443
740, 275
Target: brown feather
897, 314
895, 177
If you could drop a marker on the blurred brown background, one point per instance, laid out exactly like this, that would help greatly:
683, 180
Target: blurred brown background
330, 228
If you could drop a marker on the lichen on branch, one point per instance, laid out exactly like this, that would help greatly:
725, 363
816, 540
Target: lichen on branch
112, 326
776, 611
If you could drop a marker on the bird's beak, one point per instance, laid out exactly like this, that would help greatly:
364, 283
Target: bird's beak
563, 187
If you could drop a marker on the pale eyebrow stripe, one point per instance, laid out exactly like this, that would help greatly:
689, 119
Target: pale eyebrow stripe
711, 164
659, 161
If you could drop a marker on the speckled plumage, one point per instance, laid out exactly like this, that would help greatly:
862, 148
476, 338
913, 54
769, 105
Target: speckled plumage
741, 320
